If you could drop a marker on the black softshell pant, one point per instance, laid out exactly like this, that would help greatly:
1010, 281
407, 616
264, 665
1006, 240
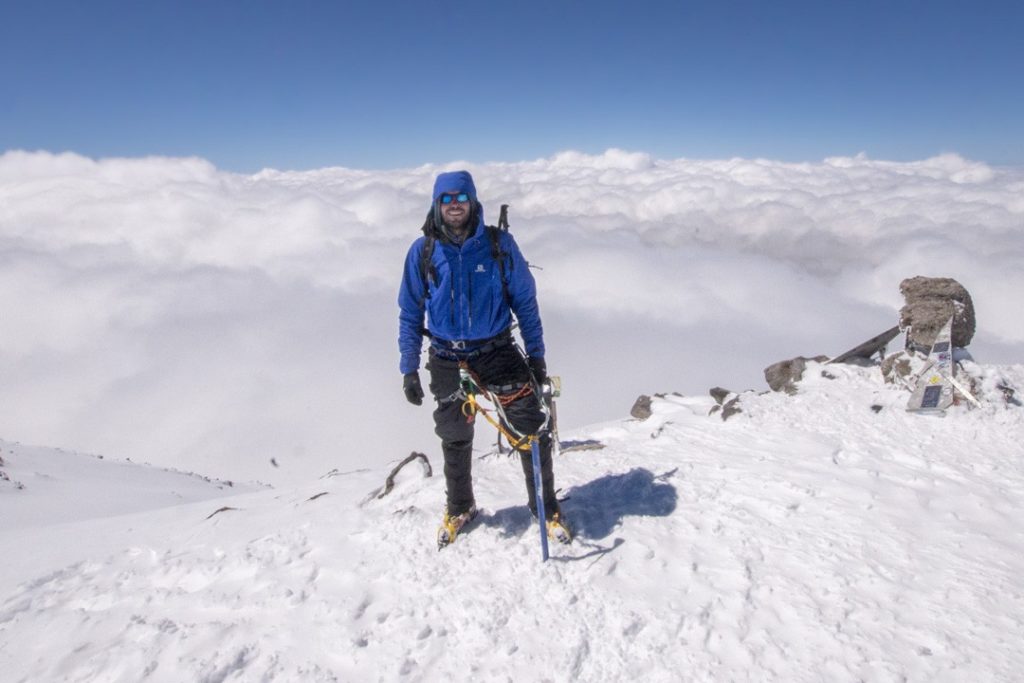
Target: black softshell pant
498, 368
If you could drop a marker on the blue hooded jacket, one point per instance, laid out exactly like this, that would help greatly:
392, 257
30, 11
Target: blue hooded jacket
466, 301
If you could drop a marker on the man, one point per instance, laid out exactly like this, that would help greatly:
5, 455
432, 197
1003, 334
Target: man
470, 280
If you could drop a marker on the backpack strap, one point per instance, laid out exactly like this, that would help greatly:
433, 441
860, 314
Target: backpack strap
494, 233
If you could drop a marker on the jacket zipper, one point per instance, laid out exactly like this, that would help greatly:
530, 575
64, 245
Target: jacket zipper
451, 309
462, 291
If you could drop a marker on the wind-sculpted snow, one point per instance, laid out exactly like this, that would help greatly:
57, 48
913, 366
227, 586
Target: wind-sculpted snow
215, 321
808, 538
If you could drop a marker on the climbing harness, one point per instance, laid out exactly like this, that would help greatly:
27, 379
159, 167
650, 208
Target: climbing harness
469, 389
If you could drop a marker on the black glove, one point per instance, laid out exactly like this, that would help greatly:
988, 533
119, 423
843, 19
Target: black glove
539, 369
412, 387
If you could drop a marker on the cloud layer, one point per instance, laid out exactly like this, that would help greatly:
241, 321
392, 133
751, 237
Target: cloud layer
165, 310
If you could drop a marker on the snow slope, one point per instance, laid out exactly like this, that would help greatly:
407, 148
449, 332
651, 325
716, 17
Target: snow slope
828, 535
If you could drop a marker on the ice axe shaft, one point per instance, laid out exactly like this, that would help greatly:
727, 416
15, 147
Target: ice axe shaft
538, 488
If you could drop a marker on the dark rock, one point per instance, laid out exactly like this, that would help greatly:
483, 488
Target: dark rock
1008, 393
896, 367
784, 375
720, 394
641, 409
731, 408
930, 301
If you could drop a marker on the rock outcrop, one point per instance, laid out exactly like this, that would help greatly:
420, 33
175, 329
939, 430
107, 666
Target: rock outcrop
930, 301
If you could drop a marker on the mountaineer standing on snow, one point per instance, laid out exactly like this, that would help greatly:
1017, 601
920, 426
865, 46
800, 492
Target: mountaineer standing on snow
470, 280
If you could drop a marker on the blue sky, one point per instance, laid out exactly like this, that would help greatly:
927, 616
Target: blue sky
301, 84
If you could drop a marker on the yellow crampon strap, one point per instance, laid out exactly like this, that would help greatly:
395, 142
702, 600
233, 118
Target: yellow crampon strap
471, 407
447, 527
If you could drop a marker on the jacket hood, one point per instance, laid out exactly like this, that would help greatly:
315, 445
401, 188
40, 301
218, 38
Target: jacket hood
454, 182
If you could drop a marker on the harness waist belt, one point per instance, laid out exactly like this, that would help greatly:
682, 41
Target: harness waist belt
470, 348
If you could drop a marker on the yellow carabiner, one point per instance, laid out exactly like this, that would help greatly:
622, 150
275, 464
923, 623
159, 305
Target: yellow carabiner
470, 407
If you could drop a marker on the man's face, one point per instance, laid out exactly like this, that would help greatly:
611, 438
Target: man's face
455, 213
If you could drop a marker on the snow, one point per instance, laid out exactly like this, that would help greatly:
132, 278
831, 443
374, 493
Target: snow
828, 535
94, 485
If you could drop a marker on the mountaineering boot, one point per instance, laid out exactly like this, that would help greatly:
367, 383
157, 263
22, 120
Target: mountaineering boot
451, 525
558, 529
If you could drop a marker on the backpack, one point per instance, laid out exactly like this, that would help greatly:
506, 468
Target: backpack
429, 272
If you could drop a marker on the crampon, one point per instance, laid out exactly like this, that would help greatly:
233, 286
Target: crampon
451, 525
558, 529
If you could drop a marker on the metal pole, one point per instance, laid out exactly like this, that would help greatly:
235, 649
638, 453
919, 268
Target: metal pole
538, 487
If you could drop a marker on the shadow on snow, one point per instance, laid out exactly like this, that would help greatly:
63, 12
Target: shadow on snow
596, 508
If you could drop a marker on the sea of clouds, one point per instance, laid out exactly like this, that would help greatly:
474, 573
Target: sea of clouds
164, 310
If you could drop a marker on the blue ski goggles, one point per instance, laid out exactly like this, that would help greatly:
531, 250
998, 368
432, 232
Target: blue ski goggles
461, 198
